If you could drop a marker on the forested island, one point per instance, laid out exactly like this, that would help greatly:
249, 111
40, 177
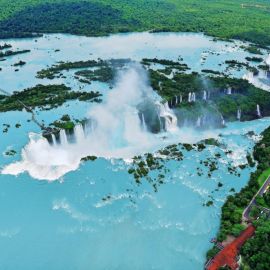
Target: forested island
44, 97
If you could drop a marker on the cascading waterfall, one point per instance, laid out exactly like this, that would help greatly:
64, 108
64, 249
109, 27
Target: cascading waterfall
166, 118
79, 133
54, 139
259, 111
229, 91
160, 123
181, 99
204, 95
189, 97
176, 100
260, 80
169, 117
239, 114
262, 74
63, 137
89, 127
267, 61
223, 123
143, 123
193, 97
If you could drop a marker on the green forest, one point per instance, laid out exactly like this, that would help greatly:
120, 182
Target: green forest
256, 251
248, 20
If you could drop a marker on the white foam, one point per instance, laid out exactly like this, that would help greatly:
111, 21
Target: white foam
43, 161
65, 206
9, 233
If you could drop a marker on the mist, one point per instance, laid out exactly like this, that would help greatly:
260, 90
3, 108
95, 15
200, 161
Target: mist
123, 126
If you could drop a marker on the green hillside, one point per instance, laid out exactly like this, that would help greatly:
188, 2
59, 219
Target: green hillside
221, 18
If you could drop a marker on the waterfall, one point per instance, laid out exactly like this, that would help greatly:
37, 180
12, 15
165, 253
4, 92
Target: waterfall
259, 80
181, 98
193, 98
79, 133
63, 137
160, 123
239, 114
263, 74
189, 97
259, 111
204, 95
143, 123
54, 139
223, 121
89, 127
267, 61
176, 100
169, 117
229, 91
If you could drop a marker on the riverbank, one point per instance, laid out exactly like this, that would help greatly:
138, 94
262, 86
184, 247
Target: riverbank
245, 207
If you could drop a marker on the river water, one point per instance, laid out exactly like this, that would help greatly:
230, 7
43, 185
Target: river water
53, 214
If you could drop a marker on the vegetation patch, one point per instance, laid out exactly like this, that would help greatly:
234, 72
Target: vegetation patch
44, 97
142, 166
254, 59
5, 46
151, 167
253, 49
11, 53
55, 70
5, 128
64, 123
89, 158
102, 74
20, 63
168, 64
100, 70
10, 153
